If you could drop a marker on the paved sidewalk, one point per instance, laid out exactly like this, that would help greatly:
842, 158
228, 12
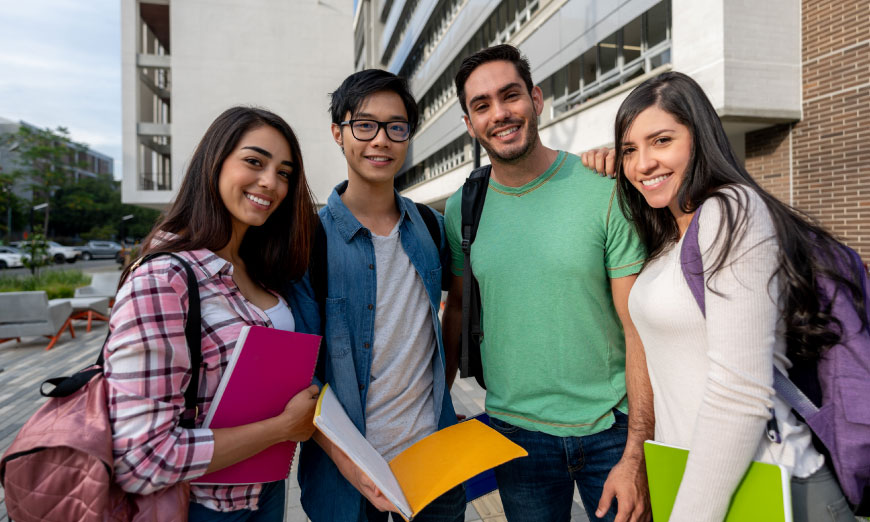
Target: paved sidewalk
24, 365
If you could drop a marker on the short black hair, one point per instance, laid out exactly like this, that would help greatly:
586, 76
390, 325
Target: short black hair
505, 52
360, 85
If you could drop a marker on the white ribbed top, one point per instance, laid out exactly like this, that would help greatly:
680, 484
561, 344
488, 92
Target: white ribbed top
712, 379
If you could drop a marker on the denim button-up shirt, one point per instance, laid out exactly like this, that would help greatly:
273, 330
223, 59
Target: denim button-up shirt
349, 335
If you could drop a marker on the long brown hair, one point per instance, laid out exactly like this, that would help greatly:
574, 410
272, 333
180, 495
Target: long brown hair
274, 253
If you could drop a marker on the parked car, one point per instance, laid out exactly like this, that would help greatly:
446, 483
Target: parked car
56, 252
49, 255
60, 253
11, 257
95, 249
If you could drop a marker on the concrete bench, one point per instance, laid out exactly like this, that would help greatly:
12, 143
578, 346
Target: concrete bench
103, 284
90, 308
28, 314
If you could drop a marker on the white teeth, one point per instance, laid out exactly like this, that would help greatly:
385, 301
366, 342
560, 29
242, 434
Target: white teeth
506, 132
255, 199
378, 158
648, 182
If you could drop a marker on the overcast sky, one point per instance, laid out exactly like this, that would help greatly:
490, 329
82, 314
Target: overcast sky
60, 65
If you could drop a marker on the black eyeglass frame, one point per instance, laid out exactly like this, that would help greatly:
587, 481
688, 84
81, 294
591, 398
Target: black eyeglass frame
381, 125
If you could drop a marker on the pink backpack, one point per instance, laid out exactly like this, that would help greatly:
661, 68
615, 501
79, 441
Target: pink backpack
60, 465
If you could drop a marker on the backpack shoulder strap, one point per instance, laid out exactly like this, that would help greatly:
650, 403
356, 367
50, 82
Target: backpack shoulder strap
318, 266
318, 273
692, 267
192, 334
431, 221
691, 263
473, 199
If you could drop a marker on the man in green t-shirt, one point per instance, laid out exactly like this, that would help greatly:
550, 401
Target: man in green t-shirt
555, 259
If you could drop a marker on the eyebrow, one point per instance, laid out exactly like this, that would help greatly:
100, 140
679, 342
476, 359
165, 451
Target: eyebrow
650, 135
367, 116
512, 85
266, 153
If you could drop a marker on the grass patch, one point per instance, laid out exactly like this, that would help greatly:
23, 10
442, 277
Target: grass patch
56, 283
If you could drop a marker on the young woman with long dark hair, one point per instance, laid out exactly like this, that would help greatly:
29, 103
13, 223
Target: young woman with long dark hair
242, 221
712, 376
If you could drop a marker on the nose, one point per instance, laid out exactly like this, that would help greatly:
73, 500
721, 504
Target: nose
381, 139
268, 178
501, 111
646, 161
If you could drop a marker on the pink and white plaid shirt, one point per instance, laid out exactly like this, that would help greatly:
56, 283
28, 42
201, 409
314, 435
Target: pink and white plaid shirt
147, 367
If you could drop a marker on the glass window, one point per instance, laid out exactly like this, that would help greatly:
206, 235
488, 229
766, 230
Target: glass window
631, 40
574, 75
660, 59
512, 9
559, 83
590, 65
657, 24
607, 53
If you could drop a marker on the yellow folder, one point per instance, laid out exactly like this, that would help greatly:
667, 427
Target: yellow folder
426, 470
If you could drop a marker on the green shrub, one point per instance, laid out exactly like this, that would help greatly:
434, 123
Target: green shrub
56, 283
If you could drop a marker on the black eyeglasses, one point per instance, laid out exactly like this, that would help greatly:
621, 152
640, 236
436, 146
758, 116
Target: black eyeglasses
366, 130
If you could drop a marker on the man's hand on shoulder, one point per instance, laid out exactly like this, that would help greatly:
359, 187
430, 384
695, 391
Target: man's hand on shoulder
628, 484
601, 160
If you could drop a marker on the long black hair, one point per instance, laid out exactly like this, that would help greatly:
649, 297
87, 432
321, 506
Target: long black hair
274, 253
806, 250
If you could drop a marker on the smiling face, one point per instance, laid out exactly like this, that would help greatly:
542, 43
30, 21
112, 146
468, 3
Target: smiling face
502, 113
376, 161
656, 153
255, 177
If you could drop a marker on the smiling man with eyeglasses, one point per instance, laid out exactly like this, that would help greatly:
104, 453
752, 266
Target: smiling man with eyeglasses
383, 354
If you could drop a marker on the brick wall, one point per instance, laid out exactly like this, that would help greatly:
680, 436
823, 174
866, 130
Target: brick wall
830, 149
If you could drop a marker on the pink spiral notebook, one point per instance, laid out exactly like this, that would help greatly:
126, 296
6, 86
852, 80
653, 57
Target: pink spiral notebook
267, 368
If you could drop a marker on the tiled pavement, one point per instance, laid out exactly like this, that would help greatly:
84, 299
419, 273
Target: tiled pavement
26, 364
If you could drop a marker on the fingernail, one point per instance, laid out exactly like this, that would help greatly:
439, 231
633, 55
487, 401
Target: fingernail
599, 514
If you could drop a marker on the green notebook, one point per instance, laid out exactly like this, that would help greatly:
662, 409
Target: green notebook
764, 493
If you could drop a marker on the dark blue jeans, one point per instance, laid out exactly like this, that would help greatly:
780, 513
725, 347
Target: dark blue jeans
269, 509
449, 507
541, 486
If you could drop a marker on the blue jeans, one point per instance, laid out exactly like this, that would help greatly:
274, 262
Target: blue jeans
541, 486
449, 507
270, 508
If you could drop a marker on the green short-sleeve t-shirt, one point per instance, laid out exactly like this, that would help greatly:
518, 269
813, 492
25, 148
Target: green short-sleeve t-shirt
553, 349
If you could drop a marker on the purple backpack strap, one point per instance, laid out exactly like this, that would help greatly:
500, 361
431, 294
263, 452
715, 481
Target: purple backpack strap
693, 271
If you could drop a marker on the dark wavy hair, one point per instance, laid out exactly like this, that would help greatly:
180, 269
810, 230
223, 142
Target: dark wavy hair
503, 52
274, 253
806, 250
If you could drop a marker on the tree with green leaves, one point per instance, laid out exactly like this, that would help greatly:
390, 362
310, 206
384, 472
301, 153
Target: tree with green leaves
36, 252
46, 158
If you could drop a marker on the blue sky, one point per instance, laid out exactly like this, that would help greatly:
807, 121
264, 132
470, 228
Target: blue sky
60, 65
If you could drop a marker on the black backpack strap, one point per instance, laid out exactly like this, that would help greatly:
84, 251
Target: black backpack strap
431, 221
473, 198
65, 386
318, 274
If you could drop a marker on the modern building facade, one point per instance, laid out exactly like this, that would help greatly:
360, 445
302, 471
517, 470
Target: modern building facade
83, 162
775, 71
184, 62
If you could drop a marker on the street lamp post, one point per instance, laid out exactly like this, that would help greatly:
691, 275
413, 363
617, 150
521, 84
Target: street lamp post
124, 220
33, 209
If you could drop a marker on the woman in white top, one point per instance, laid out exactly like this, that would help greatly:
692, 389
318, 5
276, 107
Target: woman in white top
712, 377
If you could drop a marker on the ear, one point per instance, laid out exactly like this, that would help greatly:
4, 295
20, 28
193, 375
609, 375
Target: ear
336, 134
469, 127
538, 99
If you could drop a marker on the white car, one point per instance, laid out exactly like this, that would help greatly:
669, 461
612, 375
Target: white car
60, 253
10, 257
